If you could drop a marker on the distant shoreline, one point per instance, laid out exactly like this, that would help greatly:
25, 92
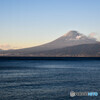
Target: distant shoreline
48, 58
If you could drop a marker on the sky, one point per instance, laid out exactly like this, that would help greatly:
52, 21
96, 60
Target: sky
27, 23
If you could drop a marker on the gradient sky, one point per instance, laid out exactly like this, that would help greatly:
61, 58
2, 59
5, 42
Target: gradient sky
26, 23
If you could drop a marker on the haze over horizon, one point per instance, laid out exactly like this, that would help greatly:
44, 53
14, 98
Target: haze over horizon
27, 23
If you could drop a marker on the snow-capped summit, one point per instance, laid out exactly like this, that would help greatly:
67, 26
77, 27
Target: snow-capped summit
71, 33
74, 35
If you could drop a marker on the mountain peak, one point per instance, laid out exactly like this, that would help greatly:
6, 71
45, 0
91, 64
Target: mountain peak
72, 33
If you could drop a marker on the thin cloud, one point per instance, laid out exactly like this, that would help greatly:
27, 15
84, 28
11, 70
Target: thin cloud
94, 36
6, 47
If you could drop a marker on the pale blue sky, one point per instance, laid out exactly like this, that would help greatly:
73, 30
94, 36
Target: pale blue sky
25, 23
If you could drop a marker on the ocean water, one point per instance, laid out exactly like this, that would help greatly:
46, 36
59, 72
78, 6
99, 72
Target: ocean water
48, 79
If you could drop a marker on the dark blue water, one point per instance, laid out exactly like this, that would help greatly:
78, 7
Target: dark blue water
48, 80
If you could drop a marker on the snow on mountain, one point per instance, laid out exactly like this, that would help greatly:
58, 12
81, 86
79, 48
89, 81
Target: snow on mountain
74, 35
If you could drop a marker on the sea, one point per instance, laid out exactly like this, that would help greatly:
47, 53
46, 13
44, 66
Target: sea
49, 79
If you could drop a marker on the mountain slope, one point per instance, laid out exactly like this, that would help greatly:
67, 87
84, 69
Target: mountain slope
83, 50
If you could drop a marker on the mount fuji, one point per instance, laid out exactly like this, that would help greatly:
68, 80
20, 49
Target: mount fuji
68, 40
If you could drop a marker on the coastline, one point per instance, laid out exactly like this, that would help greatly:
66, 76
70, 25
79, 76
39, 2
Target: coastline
47, 58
